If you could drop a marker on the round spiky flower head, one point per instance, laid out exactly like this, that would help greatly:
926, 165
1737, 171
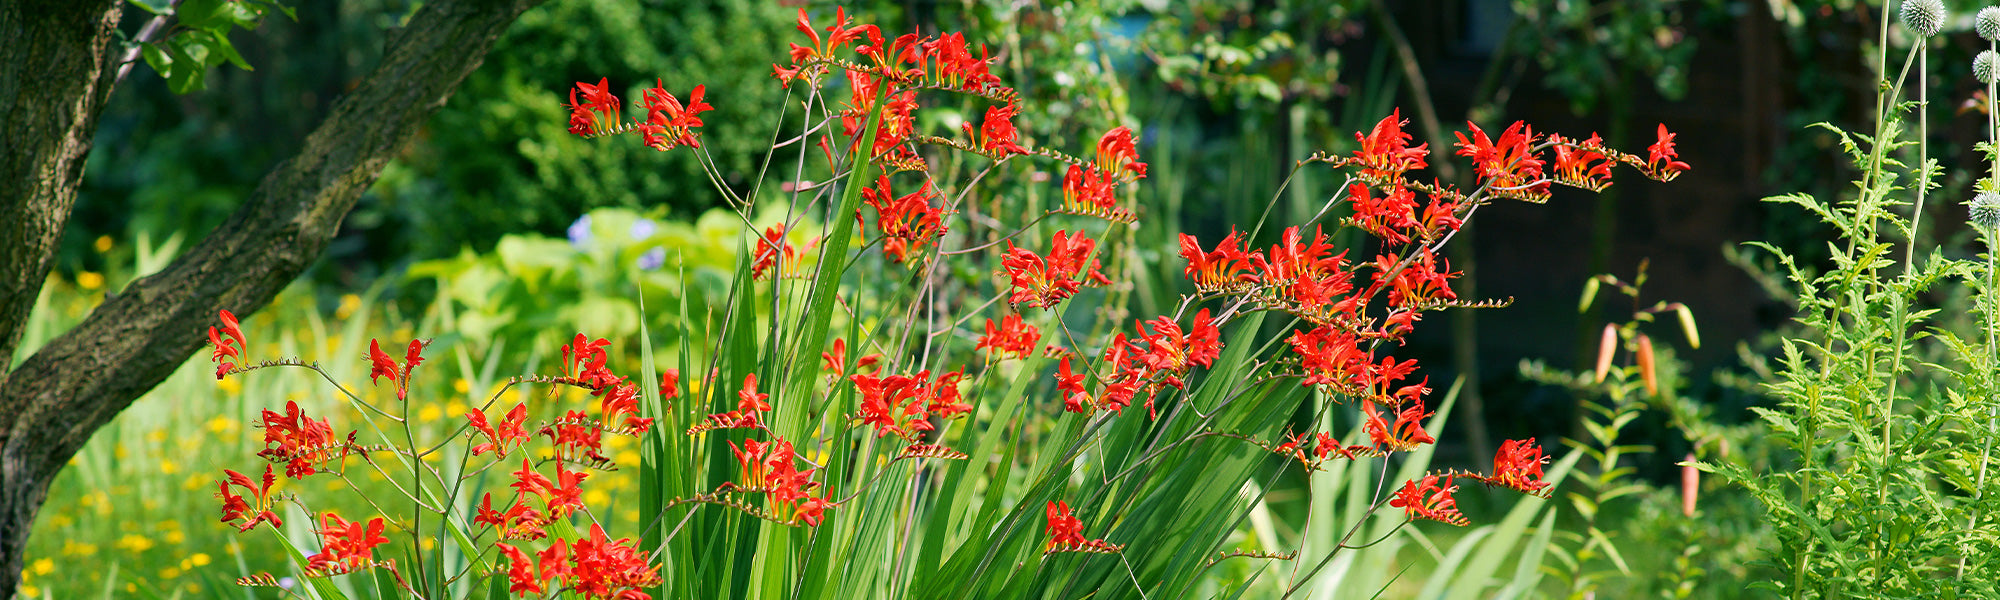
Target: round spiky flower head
1985, 211
1986, 66
1988, 23
1923, 17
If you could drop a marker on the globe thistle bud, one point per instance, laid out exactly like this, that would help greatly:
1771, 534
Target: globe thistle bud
1986, 66
1985, 211
1923, 17
1988, 23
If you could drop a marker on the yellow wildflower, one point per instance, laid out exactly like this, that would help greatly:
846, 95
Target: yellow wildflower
460, 385
168, 467
198, 559
29, 591
429, 413
170, 573
75, 548
135, 543
222, 424
89, 280
348, 304
43, 566
103, 243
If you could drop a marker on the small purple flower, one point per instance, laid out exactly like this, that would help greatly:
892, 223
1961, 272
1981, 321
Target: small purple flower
643, 228
653, 259
579, 233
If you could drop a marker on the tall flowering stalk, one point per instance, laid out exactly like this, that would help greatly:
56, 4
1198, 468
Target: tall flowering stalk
864, 439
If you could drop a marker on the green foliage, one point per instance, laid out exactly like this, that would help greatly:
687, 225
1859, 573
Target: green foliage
198, 39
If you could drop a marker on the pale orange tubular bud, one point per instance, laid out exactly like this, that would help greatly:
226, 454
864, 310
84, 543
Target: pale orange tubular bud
1605, 348
1690, 485
1646, 369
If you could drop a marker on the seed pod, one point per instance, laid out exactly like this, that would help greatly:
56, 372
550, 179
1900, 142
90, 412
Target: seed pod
1988, 23
1606, 346
1923, 17
1985, 66
1985, 211
1646, 369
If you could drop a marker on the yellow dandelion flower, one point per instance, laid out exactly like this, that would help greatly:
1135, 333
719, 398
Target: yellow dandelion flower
89, 280
596, 498
617, 442
131, 588
30, 591
135, 543
632, 515
118, 451
222, 424
193, 588
198, 559
628, 458
170, 573
430, 543
61, 521
429, 413
195, 481
156, 436
230, 386
455, 409
460, 385
348, 304
43, 566
175, 537
75, 548
103, 243
168, 467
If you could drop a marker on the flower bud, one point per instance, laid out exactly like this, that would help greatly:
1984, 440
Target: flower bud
1988, 23
1985, 211
1923, 17
1985, 66
1606, 346
1648, 370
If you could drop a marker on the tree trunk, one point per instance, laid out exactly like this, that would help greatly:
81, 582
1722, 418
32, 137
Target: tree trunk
55, 72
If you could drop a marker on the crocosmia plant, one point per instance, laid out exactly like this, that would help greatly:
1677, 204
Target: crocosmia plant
931, 398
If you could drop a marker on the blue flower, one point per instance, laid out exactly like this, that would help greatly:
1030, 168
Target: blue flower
643, 228
579, 233
653, 259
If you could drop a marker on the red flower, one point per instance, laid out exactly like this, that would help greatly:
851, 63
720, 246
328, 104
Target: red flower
347, 546
522, 576
604, 569
896, 126
1509, 167
1582, 164
944, 399
1332, 357
748, 400
1386, 152
670, 384
1066, 533
566, 496
583, 360
511, 433
1088, 190
1405, 435
1071, 386
528, 481
997, 134
769, 247
1661, 159
298, 440
597, 113
1046, 281
1169, 350
1226, 268
669, 124
383, 366
1518, 466
1011, 337
229, 345
1420, 283
234, 507
907, 223
1429, 500
1116, 151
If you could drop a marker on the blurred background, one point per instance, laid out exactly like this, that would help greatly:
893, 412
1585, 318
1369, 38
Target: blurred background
481, 216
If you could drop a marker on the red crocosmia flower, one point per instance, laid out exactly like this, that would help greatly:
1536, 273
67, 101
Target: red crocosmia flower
1071, 385
527, 481
670, 384
1331, 357
1089, 190
997, 135
510, 433
907, 223
668, 123
486, 514
748, 400
1116, 151
945, 400
298, 440
1582, 164
554, 564
1509, 166
605, 569
1422, 282
1312, 276
383, 366
1429, 500
1385, 152
597, 113
751, 456
812, 510
1012, 336
229, 345
522, 577
1405, 435
1064, 529
1518, 466
1046, 281
566, 496
1391, 217
835, 361
1169, 350
583, 360
234, 507
1440, 218
347, 546
576, 437
896, 126
1065, 533
774, 250
1661, 159
1227, 268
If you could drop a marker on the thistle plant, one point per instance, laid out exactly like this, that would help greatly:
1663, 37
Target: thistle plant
1887, 498
860, 436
